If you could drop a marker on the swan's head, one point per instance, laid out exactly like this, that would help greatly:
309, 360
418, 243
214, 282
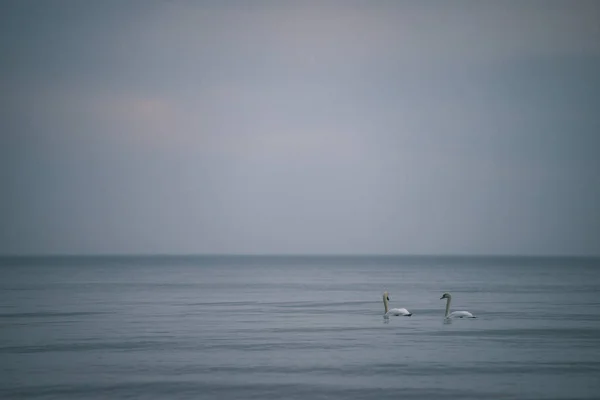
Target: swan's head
445, 296
386, 296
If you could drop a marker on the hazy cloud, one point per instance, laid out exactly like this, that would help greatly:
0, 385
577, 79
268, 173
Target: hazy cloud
300, 127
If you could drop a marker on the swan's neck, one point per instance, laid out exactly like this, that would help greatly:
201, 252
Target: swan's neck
385, 304
448, 305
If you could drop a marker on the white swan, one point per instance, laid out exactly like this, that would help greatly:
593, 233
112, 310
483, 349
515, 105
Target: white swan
455, 314
398, 312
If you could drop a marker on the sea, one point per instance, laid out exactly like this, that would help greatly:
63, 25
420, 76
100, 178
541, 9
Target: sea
298, 327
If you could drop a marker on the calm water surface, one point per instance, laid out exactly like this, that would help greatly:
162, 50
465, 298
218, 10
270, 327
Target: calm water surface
298, 328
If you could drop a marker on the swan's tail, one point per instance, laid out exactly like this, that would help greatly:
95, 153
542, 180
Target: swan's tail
408, 315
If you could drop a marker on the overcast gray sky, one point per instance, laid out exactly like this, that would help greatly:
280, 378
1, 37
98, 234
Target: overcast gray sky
300, 127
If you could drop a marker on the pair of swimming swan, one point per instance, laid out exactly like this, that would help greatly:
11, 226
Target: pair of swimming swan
403, 312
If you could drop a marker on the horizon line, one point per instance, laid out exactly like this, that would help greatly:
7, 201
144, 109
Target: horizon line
473, 255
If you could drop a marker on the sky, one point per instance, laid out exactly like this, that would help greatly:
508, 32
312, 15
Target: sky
300, 127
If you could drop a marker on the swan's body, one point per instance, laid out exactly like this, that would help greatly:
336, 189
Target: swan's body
396, 312
455, 314
460, 314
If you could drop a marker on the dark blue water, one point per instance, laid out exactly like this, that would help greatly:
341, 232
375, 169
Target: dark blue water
298, 328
